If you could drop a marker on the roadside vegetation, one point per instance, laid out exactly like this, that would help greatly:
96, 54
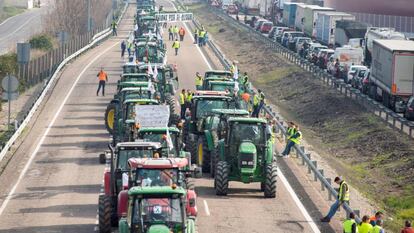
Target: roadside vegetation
376, 159
9, 11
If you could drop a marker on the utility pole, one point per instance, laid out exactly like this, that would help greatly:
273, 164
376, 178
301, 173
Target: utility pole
89, 15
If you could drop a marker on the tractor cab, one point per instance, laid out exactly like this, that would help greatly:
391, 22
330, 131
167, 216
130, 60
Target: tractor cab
134, 77
246, 155
150, 52
130, 68
159, 134
221, 86
216, 75
156, 209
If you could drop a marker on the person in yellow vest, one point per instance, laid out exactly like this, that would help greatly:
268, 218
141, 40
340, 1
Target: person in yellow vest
103, 78
365, 226
343, 196
349, 225
201, 36
378, 227
293, 140
182, 102
176, 32
189, 97
176, 46
198, 81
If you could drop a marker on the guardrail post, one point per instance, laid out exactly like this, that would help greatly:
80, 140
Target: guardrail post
329, 193
315, 163
302, 148
323, 175
357, 212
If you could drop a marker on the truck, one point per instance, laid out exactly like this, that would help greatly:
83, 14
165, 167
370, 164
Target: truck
374, 33
299, 17
310, 15
265, 7
348, 56
392, 72
251, 6
326, 24
289, 13
347, 30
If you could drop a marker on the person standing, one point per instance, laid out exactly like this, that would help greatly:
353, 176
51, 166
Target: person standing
292, 141
349, 225
365, 226
170, 33
256, 103
129, 48
245, 81
373, 219
343, 196
407, 228
176, 32
189, 97
103, 78
378, 227
114, 26
123, 48
196, 36
182, 100
201, 35
198, 81
176, 46
181, 32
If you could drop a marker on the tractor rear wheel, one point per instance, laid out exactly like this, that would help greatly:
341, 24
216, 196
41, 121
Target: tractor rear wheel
203, 155
104, 214
270, 182
213, 161
192, 148
174, 119
169, 99
222, 178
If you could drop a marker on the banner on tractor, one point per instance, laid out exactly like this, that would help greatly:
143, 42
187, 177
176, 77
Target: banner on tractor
152, 115
174, 17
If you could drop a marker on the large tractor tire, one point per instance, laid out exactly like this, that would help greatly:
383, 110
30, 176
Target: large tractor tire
169, 99
189, 183
174, 119
213, 161
186, 132
270, 182
221, 180
203, 155
192, 148
105, 213
110, 118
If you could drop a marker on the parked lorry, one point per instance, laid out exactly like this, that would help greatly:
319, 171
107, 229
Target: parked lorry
289, 13
299, 17
265, 7
326, 24
392, 72
348, 56
251, 6
374, 33
310, 15
347, 30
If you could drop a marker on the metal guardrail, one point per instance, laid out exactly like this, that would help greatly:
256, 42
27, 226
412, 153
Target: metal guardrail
393, 119
96, 39
326, 183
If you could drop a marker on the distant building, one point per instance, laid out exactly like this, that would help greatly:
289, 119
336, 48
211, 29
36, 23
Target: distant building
28, 4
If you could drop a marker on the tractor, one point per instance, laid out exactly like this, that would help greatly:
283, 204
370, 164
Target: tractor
150, 52
118, 165
156, 210
245, 154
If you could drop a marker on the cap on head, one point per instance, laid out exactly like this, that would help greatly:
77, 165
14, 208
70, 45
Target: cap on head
337, 179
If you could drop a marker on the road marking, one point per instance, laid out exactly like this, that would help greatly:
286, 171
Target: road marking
11, 34
33, 155
298, 202
206, 208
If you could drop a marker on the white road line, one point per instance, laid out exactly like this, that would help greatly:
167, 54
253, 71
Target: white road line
206, 208
298, 203
33, 155
11, 34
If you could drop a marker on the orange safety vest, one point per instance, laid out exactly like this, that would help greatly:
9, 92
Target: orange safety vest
102, 76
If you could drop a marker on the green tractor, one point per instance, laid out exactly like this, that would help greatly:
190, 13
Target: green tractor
245, 154
150, 52
156, 210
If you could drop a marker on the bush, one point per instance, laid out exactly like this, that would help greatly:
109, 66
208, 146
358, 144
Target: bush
42, 42
8, 64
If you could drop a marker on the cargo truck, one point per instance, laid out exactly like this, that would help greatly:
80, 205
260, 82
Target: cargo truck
289, 13
374, 33
392, 72
310, 15
300, 17
251, 6
348, 29
326, 24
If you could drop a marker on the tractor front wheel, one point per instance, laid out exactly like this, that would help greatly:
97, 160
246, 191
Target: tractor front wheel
213, 158
221, 179
270, 182
104, 214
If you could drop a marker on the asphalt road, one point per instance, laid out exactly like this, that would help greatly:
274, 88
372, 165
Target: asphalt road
53, 181
21, 27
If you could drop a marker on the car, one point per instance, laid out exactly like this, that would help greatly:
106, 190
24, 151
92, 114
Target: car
288, 37
279, 33
353, 70
409, 110
258, 23
265, 27
299, 42
272, 32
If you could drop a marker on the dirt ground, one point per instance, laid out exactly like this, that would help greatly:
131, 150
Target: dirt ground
373, 157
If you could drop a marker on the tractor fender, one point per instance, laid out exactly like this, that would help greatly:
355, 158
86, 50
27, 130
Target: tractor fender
191, 203
122, 203
221, 149
209, 139
269, 152
123, 226
107, 182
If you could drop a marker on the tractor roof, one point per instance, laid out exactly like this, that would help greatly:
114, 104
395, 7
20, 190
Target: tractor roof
227, 83
238, 112
218, 72
153, 145
141, 101
157, 191
150, 43
161, 163
211, 94
135, 75
248, 119
158, 129
145, 66
133, 84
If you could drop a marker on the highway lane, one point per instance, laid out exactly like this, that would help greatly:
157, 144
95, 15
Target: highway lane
61, 178
244, 209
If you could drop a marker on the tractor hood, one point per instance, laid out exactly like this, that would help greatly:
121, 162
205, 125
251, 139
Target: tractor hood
158, 228
247, 158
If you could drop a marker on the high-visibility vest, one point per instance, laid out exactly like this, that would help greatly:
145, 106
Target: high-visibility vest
189, 97
232, 68
376, 229
170, 30
291, 131
176, 45
346, 196
202, 34
245, 79
256, 100
102, 76
199, 81
364, 228
347, 225
176, 30
262, 96
297, 139
182, 99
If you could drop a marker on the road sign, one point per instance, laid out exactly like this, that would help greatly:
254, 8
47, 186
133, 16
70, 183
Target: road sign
10, 83
174, 17
23, 53
152, 115
9, 96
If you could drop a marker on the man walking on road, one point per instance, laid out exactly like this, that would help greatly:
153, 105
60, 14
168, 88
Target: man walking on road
170, 33
198, 81
123, 48
176, 32
103, 78
114, 26
182, 100
181, 32
343, 196
176, 46
349, 225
